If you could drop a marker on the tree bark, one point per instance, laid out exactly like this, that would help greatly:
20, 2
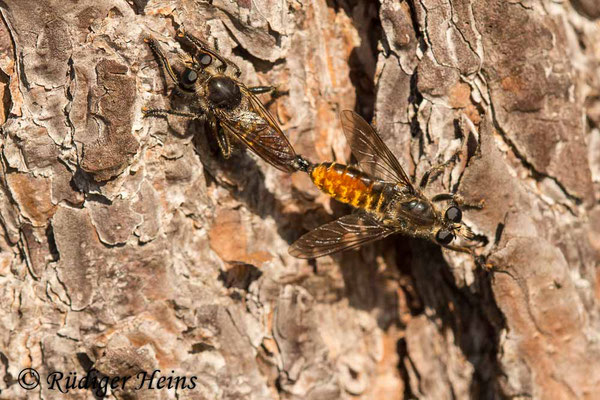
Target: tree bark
130, 244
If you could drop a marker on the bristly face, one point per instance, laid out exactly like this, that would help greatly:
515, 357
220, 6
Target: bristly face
423, 219
188, 80
451, 226
418, 216
216, 86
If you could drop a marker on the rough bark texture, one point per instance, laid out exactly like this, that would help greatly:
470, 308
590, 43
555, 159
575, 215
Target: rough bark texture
129, 244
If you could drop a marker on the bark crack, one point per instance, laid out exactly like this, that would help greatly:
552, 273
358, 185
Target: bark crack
462, 35
536, 174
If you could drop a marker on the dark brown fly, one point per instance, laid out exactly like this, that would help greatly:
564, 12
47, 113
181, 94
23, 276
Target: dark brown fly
209, 84
385, 198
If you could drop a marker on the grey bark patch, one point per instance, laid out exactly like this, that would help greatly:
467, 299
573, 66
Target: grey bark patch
107, 150
79, 248
114, 222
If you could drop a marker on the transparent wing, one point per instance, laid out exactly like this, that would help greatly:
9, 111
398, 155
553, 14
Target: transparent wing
257, 129
348, 232
373, 156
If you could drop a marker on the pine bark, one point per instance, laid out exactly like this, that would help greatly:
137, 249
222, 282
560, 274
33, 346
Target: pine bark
129, 244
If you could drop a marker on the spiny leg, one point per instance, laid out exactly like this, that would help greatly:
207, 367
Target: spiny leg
435, 171
458, 200
237, 71
461, 249
161, 112
204, 49
162, 59
222, 138
266, 89
482, 262
200, 45
262, 89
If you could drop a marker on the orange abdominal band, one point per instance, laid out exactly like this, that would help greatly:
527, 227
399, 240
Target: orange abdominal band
345, 184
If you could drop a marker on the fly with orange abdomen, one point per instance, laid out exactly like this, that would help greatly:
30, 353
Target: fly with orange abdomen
386, 200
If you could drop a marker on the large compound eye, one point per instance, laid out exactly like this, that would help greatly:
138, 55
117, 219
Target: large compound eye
454, 214
189, 77
444, 237
205, 60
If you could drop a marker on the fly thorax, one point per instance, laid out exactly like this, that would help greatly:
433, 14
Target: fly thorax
224, 92
419, 210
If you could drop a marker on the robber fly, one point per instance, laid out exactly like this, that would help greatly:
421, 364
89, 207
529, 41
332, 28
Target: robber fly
210, 85
385, 198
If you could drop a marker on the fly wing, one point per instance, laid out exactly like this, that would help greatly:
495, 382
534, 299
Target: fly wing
348, 232
257, 129
373, 156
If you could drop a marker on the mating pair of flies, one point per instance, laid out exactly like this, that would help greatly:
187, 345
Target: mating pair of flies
385, 199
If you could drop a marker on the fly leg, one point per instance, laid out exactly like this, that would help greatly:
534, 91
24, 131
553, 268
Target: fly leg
222, 138
458, 200
461, 249
203, 48
166, 66
435, 171
237, 72
161, 112
262, 89
275, 93
162, 60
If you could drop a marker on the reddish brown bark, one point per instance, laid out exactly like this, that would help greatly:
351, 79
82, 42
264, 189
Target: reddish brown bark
129, 244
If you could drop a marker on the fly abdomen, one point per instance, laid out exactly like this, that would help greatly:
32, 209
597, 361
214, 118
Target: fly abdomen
347, 185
